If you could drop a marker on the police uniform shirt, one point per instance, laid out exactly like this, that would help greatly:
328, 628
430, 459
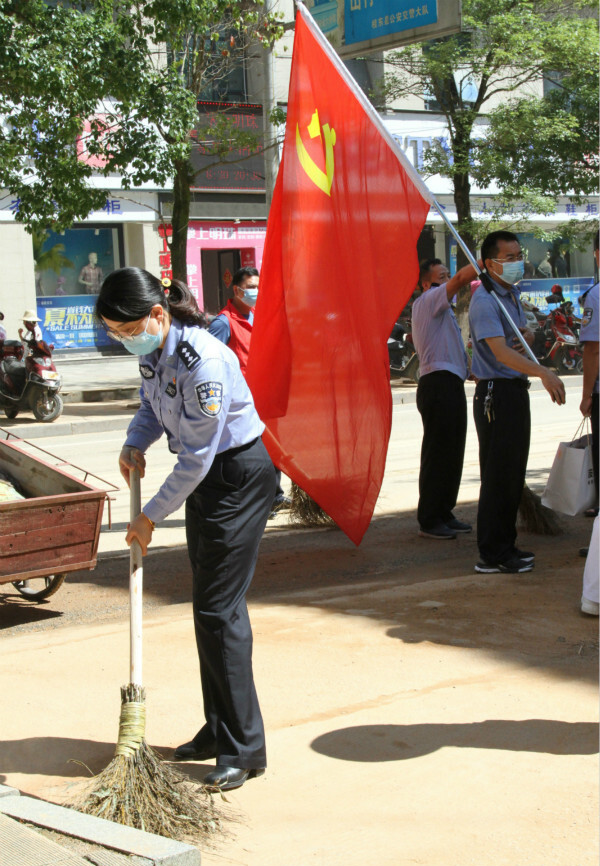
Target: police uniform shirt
589, 320
436, 334
486, 320
194, 391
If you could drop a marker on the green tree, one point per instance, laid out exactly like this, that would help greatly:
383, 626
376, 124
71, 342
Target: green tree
536, 146
138, 69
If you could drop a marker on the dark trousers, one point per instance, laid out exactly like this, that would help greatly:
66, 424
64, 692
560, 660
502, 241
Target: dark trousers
503, 453
443, 406
225, 518
595, 455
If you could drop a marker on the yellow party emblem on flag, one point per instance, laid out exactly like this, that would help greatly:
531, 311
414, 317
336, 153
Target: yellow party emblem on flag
322, 179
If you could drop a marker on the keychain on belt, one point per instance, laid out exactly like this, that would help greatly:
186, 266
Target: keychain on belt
488, 403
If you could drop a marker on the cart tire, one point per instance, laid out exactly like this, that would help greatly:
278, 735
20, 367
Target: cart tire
11, 412
47, 409
39, 588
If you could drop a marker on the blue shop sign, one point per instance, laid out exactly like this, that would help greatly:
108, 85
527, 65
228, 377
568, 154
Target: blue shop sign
369, 19
68, 322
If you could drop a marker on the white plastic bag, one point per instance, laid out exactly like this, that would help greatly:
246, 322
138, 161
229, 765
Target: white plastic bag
570, 487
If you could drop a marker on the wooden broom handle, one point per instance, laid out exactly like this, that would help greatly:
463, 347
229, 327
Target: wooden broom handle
136, 573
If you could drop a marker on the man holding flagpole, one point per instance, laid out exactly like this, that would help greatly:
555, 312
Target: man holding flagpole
441, 399
501, 405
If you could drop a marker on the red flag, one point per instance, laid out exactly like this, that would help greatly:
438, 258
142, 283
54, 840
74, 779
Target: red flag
340, 262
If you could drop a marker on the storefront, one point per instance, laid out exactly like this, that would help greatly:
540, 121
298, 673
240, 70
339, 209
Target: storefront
215, 251
547, 262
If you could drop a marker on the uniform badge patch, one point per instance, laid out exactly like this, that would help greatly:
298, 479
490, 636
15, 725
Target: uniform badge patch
171, 388
147, 372
210, 397
587, 316
188, 354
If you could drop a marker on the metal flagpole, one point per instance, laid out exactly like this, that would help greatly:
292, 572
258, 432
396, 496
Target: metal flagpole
484, 278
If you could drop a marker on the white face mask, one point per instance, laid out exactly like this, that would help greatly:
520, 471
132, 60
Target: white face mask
512, 272
250, 296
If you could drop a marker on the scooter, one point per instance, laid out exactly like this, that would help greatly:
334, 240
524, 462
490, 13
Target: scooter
404, 361
556, 344
32, 383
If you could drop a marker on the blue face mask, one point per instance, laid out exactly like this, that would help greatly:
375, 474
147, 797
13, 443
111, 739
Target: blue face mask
250, 296
144, 343
512, 272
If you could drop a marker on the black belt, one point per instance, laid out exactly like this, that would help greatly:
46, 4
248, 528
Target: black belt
518, 383
232, 451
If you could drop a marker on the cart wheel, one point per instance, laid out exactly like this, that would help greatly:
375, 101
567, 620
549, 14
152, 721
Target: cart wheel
39, 588
11, 412
47, 408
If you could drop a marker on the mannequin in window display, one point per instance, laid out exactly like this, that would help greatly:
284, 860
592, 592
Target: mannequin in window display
91, 275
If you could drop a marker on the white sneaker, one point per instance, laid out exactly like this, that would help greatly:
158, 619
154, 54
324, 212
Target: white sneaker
591, 607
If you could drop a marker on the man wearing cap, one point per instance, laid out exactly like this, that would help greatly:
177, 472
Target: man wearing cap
34, 332
441, 398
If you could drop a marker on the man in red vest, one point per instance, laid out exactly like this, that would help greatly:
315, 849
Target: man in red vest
233, 326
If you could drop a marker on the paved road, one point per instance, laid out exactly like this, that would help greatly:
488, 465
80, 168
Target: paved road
416, 713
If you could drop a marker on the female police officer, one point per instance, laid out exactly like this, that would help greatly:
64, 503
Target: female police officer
193, 390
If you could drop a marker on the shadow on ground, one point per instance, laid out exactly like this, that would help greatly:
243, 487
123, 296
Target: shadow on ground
377, 743
418, 589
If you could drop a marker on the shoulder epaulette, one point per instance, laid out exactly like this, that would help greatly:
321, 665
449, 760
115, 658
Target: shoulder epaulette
188, 354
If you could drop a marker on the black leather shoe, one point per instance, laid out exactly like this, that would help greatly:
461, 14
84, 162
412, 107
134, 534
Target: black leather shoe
201, 748
226, 778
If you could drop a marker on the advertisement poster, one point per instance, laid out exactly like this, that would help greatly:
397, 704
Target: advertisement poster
69, 323
75, 261
536, 291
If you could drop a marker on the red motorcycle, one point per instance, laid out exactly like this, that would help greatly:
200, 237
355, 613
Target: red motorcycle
556, 343
32, 383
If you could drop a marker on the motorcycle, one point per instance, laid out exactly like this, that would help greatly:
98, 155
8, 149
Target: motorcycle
404, 361
30, 383
555, 343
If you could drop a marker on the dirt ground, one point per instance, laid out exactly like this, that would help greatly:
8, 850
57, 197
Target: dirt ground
416, 712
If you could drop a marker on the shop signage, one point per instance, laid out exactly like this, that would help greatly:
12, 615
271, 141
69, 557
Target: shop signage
244, 167
69, 323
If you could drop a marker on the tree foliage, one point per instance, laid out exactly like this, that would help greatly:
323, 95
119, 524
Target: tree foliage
536, 146
106, 87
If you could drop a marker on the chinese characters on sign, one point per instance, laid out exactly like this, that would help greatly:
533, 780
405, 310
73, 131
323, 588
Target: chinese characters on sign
69, 323
367, 19
244, 166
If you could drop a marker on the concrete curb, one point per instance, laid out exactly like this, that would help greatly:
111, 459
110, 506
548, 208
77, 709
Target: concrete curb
156, 850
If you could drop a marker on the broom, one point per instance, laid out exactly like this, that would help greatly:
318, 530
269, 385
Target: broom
535, 517
137, 788
304, 511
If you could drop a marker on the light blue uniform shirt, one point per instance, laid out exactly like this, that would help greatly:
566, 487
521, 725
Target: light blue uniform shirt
486, 320
436, 334
193, 390
589, 321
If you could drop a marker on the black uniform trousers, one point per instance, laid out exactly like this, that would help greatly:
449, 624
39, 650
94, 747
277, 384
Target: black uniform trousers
443, 406
225, 518
503, 453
